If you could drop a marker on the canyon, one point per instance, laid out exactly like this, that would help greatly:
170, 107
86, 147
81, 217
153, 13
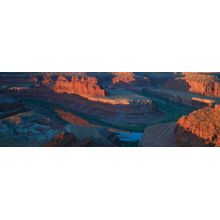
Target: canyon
84, 86
101, 109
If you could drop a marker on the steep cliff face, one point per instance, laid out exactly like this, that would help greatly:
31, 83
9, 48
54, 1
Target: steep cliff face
202, 83
85, 86
200, 128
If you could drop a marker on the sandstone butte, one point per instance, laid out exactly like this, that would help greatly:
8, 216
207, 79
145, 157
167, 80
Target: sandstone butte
123, 77
88, 87
201, 83
199, 128
85, 86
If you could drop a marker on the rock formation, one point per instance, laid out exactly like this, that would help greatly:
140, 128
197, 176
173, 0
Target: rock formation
200, 128
123, 77
67, 139
202, 83
84, 86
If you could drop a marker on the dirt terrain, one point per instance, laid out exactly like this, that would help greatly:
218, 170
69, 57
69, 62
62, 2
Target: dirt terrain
160, 135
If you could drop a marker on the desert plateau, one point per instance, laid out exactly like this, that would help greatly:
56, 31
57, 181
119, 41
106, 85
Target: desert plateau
110, 109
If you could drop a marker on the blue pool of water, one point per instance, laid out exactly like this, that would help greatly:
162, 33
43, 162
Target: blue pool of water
129, 136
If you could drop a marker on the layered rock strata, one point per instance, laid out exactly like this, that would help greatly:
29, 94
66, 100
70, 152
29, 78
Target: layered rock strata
206, 84
200, 128
83, 86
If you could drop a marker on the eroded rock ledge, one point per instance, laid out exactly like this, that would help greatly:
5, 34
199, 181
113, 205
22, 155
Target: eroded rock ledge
202, 83
200, 128
84, 85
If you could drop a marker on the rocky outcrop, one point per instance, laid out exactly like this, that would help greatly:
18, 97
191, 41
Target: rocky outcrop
29, 128
84, 86
129, 80
205, 84
46, 79
200, 128
123, 77
67, 139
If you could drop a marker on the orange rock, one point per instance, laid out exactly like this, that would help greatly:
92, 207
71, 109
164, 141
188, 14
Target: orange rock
201, 83
123, 77
200, 128
71, 118
46, 79
85, 86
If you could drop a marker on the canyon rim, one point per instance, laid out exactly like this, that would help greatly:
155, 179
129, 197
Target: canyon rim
110, 109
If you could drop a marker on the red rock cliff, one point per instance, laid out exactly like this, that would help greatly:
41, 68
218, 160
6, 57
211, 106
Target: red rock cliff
85, 86
201, 83
200, 128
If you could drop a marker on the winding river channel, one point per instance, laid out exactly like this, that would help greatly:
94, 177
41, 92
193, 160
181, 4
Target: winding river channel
171, 109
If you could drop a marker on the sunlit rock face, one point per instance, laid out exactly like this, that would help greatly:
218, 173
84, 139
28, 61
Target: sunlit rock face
202, 83
71, 118
85, 86
200, 128
123, 77
130, 80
